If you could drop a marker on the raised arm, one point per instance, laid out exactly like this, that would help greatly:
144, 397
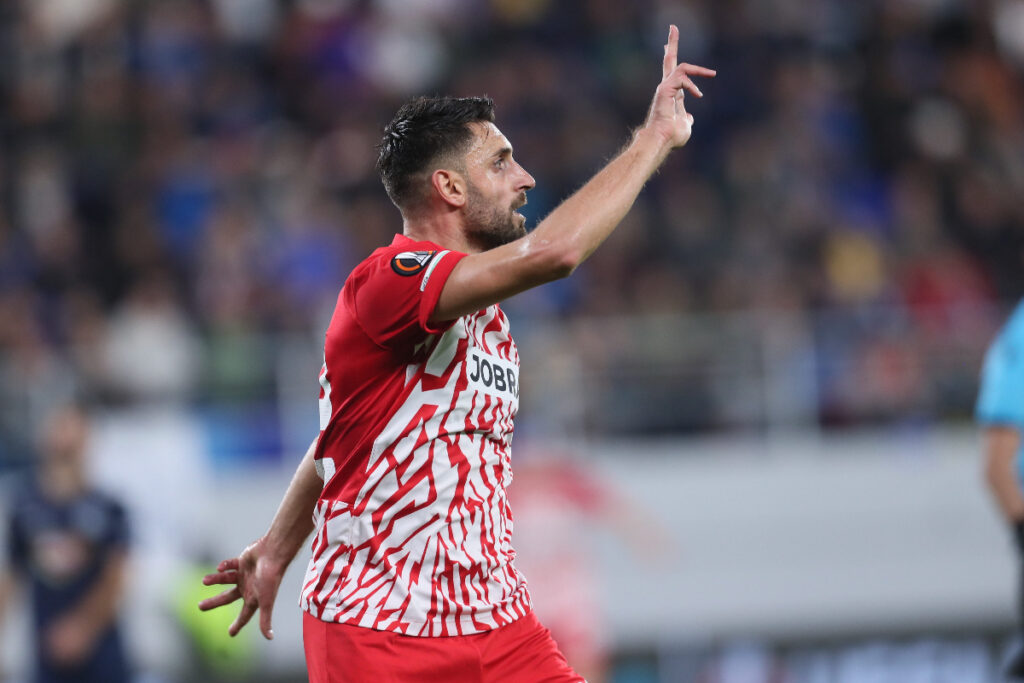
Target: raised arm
563, 240
255, 575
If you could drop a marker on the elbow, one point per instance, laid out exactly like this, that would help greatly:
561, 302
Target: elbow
555, 261
999, 468
566, 265
991, 470
1000, 449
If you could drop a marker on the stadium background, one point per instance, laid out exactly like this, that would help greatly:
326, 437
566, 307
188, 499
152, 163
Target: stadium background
764, 380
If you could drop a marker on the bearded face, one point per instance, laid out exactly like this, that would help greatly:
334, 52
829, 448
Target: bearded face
491, 223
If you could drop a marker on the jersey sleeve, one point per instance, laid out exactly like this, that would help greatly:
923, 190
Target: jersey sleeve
1001, 398
394, 295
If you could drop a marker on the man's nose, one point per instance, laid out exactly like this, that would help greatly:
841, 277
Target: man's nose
526, 181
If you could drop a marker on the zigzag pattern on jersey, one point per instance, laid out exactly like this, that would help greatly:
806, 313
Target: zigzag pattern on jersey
425, 547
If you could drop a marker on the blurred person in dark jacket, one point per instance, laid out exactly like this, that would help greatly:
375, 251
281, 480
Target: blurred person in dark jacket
68, 543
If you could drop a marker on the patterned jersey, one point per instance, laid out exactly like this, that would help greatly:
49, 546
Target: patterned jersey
1001, 399
413, 527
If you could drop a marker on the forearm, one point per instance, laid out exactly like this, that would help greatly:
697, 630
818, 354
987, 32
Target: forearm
7, 587
1001, 446
583, 221
561, 242
99, 608
1007, 495
293, 521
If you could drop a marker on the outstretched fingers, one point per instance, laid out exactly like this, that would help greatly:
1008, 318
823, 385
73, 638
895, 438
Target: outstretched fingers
221, 578
265, 615
226, 575
671, 51
695, 70
679, 79
248, 609
230, 563
221, 599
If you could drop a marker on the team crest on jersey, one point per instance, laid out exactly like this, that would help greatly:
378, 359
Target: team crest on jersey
411, 262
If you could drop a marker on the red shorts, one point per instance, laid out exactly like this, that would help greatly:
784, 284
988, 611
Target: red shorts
521, 652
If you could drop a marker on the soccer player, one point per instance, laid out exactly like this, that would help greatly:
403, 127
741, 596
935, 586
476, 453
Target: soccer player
68, 542
1000, 411
411, 577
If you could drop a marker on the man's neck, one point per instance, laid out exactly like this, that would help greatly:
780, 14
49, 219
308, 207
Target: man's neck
445, 229
61, 484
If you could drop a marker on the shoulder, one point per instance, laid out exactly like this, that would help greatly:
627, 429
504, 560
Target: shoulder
1013, 332
403, 260
102, 516
1007, 350
393, 292
403, 269
99, 504
28, 511
1001, 392
24, 495
108, 502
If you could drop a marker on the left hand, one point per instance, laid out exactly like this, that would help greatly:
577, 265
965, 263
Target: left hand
668, 117
254, 577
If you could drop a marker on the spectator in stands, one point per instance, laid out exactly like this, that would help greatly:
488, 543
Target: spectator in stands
851, 154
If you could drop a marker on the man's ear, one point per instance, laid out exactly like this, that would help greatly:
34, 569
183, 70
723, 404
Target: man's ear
450, 186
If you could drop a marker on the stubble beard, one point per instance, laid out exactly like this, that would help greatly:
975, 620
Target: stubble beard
490, 226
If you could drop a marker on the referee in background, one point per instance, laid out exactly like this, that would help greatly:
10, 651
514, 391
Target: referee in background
1000, 412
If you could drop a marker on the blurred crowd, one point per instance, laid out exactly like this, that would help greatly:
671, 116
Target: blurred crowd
186, 182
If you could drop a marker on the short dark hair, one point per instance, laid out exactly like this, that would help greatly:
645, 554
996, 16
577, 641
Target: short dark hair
423, 130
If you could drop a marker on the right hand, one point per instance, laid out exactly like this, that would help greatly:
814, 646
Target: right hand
255, 578
668, 117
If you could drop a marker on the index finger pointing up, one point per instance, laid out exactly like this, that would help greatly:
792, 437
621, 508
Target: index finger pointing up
671, 48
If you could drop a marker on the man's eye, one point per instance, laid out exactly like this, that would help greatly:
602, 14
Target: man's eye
500, 163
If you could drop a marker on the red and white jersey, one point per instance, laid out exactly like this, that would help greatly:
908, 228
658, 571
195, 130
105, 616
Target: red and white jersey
413, 528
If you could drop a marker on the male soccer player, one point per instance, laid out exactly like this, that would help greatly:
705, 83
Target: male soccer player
411, 577
68, 542
1000, 411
